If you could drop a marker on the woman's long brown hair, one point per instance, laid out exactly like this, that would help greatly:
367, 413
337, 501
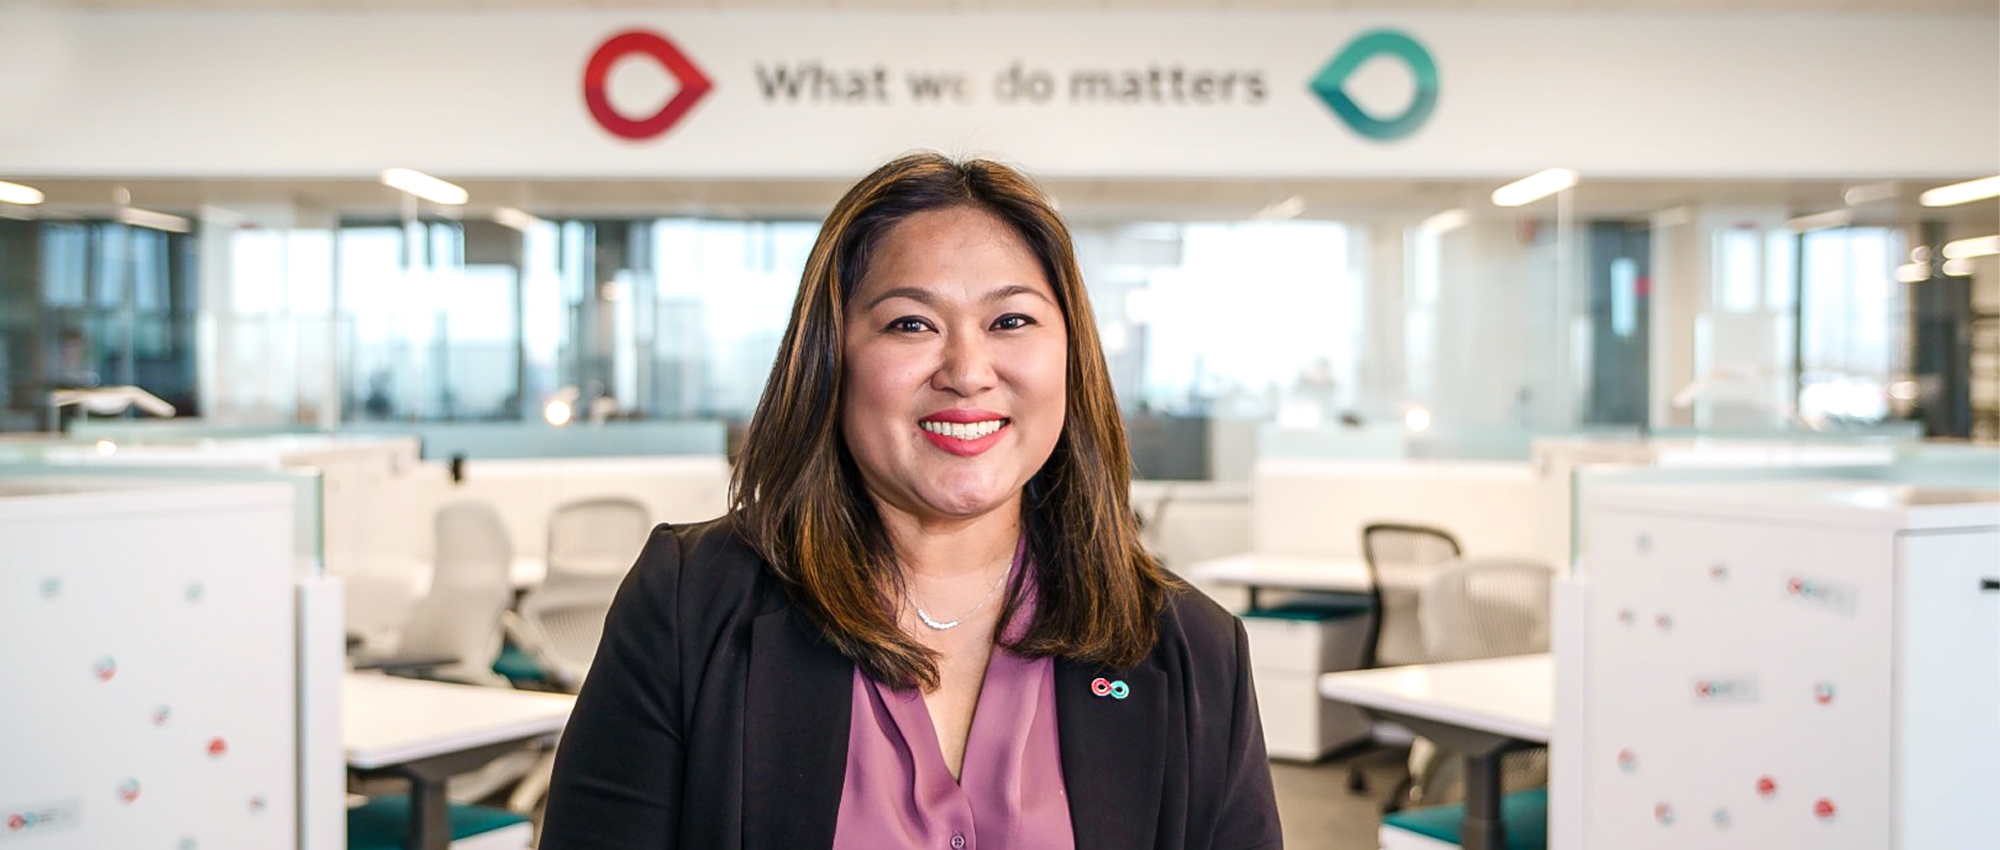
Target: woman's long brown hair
799, 499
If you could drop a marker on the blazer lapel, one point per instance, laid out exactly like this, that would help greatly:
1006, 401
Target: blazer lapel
800, 699
1112, 757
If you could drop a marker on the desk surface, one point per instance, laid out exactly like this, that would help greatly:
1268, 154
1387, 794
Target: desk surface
386, 720
1289, 572
1512, 696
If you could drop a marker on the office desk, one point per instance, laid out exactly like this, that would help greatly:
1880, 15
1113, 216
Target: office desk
1480, 708
1256, 571
427, 732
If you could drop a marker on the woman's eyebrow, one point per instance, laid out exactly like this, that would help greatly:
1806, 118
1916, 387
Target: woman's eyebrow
924, 296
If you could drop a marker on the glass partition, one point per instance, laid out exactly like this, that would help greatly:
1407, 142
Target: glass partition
66, 461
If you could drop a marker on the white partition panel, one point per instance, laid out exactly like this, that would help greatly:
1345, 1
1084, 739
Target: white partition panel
1318, 507
147, 638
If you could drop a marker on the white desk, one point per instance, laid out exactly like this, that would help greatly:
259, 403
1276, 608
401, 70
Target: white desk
1479, 708
1258, 571
428, 732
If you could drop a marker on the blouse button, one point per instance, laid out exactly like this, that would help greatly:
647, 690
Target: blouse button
957, 842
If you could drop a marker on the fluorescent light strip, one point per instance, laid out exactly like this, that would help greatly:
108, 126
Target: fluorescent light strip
1962, 193
1869, 193
1534, 187
1956, 268
1673, 217
424, 186
1445, 222
1286, 209
1821, 221
155, 220
514, 218
1978, 246
1913, 272
15, 193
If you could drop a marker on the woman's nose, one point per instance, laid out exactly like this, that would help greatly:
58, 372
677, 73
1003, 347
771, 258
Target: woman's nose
966, 368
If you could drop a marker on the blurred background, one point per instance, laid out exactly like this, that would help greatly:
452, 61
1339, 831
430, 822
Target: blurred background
1550, 355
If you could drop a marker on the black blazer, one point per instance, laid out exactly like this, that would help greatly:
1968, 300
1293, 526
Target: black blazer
716, 716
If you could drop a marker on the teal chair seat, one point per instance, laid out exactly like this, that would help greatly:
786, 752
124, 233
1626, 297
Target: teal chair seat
1316, 607
1523, 814
380, 824
518, 665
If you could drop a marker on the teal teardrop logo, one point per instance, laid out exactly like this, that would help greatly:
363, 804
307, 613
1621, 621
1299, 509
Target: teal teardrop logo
1328, 85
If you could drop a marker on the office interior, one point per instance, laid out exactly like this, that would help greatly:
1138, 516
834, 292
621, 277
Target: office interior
1605, 453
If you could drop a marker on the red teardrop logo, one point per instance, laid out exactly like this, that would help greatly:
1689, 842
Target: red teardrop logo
1766, 786
217, 747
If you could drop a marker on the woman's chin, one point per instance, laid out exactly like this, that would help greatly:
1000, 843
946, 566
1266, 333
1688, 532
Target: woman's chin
964, 505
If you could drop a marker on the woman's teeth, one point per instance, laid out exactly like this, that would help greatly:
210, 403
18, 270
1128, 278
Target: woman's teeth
964, 430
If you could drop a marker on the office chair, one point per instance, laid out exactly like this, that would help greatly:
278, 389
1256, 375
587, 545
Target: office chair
458, 621
592, 544
1481, 608
593, 541
1401, 558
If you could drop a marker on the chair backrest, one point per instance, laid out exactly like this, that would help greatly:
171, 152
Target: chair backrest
470, 589
593, 540
1486, 608
1401, 560
564, 623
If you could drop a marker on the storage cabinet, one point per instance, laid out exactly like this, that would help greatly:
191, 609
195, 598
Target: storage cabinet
1288, 651
1779, 664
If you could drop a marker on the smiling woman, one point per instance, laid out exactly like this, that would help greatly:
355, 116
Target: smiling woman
928, 620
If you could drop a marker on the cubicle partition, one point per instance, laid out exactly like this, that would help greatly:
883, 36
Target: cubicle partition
1318, 507
151, 625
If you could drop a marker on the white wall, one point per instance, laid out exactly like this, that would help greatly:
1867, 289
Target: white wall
495, 92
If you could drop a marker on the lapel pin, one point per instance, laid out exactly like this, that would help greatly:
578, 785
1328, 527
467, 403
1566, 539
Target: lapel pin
1107, 688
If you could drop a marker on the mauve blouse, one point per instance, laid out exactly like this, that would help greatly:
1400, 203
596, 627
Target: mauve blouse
1010, 794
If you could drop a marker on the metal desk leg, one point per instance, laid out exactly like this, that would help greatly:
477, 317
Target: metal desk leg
1253, 596
430, 820
1482, 829
430, 811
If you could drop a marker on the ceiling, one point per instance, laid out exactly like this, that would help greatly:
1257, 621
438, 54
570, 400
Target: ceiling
1100, 199
1094, 200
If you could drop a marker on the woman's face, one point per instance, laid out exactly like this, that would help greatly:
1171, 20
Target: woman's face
955, 360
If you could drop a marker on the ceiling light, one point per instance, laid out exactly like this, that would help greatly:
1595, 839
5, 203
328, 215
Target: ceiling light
1913, 272
1534, 187
1978, 246
15, 193
1417, 419
1869, 193
156, 220
1821, 221
516, 219
1962, 193
424, 186
1673, 217
1445, 222
1956, 268
1288, 208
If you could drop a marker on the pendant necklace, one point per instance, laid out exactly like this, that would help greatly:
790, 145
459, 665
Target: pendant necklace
934, 623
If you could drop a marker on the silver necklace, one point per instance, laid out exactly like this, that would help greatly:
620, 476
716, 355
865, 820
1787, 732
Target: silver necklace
943, 626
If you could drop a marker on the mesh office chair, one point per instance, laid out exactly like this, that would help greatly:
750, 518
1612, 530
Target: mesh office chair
1481, 608
1401, 559
459, 619
592, 544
